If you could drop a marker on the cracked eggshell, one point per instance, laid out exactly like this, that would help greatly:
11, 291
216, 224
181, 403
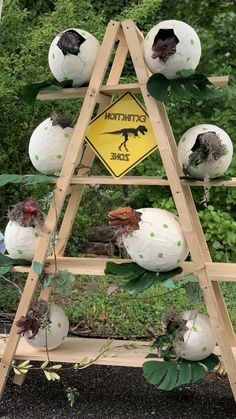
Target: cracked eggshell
211, 169
59, 329
188, 49
48, 146
21, 242
159, 244
74, 67
199, 340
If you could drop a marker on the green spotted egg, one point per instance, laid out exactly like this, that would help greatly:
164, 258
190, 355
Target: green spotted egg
21, 242
211, 168
77, 66
187, 50
58, 330
48, 146
199, 339
159, 244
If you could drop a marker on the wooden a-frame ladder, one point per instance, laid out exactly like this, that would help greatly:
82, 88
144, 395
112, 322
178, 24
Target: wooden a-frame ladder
209, 274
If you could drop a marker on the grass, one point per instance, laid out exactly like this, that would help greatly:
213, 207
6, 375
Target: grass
91, 309
119, 314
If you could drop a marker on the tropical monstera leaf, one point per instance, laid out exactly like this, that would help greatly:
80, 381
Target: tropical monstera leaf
7, 261
139, 279
167, 375
31, 90
189, 85
25, 179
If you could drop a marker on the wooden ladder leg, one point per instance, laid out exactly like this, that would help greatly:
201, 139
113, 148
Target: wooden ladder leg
77, 191
198, 228
207, 257
62, 186
159, 124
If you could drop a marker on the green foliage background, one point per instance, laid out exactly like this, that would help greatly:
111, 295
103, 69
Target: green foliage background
26, 31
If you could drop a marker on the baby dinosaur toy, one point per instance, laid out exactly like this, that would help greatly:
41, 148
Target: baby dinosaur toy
127, 218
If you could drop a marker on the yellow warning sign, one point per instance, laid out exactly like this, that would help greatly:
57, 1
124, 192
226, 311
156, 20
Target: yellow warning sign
122, 135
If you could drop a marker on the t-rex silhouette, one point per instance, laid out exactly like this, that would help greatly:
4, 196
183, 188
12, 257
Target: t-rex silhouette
125, 132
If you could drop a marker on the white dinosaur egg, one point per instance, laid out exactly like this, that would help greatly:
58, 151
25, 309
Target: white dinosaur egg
171, 46
72, 56
209, 168
199, 340
59, 328
21, 242
48, 146
159, 243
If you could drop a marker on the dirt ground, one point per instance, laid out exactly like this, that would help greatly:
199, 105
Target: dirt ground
115, 393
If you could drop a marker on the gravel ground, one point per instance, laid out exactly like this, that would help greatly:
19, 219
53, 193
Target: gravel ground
115, 393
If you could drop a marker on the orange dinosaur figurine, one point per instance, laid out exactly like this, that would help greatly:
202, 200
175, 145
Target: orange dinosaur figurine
126, 217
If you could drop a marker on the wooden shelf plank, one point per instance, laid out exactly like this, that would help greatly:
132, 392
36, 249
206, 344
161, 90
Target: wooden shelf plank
96, 266
143, 180
221, 271
76, 92
73, 350
86, 266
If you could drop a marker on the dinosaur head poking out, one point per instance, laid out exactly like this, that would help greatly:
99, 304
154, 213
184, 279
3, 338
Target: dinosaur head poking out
208, 147
126, 217
164, 44
70, 42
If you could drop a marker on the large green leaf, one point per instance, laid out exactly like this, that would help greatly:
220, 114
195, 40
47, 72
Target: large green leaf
154, 371
174, 373
163, 276
198, 372
140, 283
40, 178
157, 86
5, 269
210, 362
7, 261
189, 85
31, 90
184, 374
122, 269
139, 279
25, 179
169, 380
4, 179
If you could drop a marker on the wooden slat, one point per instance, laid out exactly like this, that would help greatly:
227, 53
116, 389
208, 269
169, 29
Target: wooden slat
73, 350
76, 92
222, 271
144, 180
96, 266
